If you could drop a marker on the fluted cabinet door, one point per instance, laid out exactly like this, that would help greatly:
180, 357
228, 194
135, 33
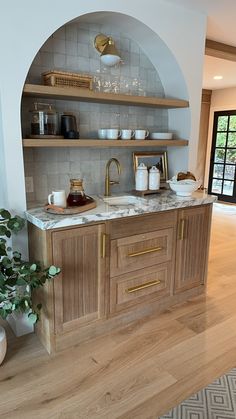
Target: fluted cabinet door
192, 247
79, 289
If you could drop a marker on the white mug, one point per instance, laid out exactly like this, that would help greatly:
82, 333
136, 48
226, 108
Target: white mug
57, 198
127, 134
141, 134
113, 133
102, 133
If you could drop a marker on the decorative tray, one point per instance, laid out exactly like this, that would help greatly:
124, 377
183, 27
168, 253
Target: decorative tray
53, 209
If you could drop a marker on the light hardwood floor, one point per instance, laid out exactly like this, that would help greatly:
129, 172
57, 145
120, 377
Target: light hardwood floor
142, 370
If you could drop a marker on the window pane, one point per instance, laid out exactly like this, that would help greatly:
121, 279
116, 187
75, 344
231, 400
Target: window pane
216, 186
229, 172
219, 155
228, 187
231, 139
222, 123
218, 171
221, 139
231, 156
232, 123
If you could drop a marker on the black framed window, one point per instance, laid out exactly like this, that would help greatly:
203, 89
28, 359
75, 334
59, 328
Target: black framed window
222, 176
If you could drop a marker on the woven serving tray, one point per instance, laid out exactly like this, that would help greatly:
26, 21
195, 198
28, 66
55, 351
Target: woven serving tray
53, 209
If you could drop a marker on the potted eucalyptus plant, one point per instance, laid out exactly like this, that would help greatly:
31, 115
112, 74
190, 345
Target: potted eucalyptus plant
18, 278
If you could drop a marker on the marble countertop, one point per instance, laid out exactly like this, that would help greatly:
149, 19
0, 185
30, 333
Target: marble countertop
166, 200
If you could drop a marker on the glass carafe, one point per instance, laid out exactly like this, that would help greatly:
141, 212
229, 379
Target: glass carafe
76, 196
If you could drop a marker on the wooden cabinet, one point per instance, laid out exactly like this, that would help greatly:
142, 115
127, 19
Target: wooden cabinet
75, 299
192, 247
79, 290
118, 271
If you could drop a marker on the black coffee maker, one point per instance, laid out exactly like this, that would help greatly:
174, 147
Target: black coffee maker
69, 126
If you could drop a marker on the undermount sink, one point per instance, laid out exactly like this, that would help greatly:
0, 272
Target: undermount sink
123, 200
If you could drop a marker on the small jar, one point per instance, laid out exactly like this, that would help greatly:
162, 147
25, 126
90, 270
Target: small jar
141, 178
76, 196
154, 178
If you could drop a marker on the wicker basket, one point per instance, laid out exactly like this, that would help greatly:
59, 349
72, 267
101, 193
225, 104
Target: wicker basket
63, 79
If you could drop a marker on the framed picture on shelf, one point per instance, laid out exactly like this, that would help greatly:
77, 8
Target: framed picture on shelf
152, 158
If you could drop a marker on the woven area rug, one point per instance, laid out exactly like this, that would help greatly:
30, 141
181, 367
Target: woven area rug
216, 401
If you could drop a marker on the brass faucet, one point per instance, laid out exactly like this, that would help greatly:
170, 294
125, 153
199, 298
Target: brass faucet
109, 182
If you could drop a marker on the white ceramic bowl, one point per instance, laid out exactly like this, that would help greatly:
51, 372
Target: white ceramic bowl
184, 188
161, 136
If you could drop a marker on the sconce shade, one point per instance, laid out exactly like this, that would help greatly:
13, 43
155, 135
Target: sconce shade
109, 54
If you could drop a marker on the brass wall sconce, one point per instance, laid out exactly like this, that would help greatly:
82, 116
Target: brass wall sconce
106, 47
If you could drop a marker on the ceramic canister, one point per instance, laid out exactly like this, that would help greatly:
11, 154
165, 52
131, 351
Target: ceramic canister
141, 178
154, 178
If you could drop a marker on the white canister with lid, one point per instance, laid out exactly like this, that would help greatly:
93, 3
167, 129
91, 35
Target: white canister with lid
141, 178
154, 178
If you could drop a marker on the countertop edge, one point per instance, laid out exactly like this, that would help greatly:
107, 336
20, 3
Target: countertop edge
103, 212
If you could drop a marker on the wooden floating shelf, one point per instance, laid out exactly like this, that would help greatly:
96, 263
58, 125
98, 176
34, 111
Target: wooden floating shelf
86, 95
29, 142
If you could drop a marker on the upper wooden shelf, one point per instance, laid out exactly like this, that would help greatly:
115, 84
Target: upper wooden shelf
86, 95
28, 142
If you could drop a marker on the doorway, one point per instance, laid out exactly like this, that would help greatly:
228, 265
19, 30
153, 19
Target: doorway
222, 175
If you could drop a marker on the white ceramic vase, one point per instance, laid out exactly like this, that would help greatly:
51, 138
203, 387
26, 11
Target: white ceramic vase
3, 344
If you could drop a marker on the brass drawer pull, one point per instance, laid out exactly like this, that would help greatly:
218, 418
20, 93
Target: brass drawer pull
144, 252
181, 229
141, 287
103, 245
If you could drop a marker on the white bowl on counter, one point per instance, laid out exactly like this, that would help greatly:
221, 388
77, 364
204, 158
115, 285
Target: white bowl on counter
184, 187
161, 136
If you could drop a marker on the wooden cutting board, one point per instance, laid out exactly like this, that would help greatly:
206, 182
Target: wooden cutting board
53, 209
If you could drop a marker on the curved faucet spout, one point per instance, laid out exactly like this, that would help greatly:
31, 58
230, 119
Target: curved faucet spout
108, 181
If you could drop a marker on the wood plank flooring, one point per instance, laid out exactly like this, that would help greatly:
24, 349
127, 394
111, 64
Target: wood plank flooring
142, 370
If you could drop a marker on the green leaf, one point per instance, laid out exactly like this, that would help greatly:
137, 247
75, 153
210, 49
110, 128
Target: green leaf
3, 313
33, 267
6, 262
16, 224
53, 270
4, 231
32, 317
21, 281
17, 255
5, 214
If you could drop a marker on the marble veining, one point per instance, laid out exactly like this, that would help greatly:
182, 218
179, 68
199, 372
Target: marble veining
166, 200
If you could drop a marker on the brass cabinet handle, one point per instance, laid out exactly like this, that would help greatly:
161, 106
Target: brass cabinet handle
144, 252
181, 229
103, 245
142, 286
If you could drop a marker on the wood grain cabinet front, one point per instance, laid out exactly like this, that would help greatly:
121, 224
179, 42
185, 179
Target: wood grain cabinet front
140, 286
192, 247
79, 289
140, 251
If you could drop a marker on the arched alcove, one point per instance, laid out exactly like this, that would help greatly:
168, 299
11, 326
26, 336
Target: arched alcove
149, 68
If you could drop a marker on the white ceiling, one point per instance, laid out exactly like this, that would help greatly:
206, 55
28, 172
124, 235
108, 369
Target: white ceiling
221, 27
218, 67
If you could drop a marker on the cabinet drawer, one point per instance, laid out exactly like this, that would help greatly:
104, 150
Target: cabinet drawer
142, 224
141, 250
140, 286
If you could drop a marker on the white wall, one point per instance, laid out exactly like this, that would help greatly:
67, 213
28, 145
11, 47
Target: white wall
221, 100
25, 26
